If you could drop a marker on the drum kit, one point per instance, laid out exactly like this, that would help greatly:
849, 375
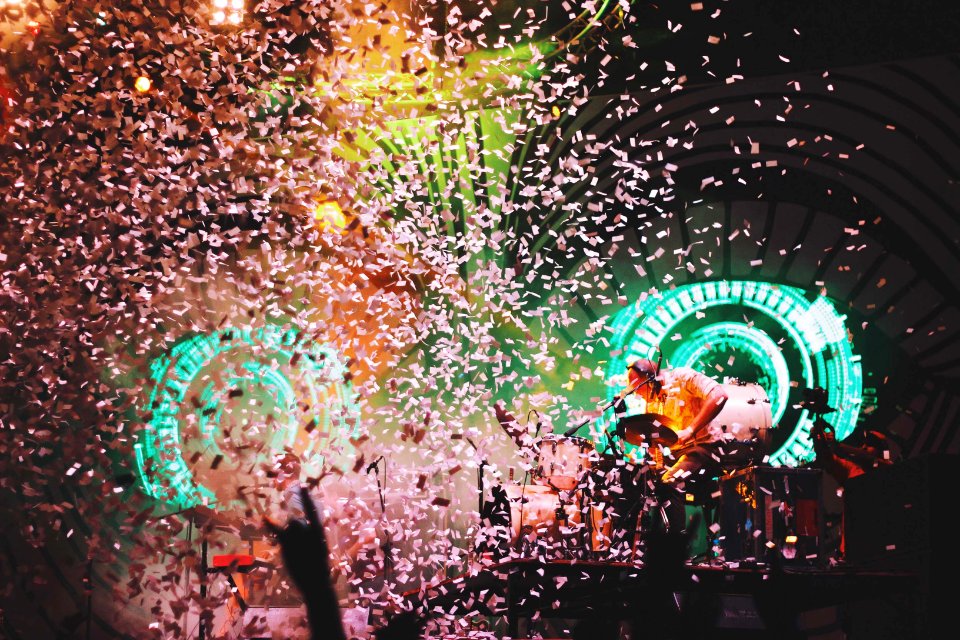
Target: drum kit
586, 504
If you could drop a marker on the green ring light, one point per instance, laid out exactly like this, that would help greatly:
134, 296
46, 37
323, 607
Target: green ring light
818, 331
758, 347
271, 357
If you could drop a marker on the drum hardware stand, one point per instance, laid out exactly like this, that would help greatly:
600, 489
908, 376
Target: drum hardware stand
586, 514
388, 544
560, 520
88, 591
483, 463
197, 518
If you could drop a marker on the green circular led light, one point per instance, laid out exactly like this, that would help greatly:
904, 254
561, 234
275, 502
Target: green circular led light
816, 329
748, 342
286, 392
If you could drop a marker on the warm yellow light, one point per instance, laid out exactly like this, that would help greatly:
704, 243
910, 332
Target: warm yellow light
143, 84
227, 11
790, 539
329, 216
555, 110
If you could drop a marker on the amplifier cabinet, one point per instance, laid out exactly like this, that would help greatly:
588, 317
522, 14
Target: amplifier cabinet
768, 510
894, 516
902, 517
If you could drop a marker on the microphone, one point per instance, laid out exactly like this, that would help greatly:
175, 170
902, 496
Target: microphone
572, 430
373, 465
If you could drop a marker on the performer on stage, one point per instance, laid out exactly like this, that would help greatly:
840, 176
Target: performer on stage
843, 460
690, 400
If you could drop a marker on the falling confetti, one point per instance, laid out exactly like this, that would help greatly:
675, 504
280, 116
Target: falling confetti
246, 244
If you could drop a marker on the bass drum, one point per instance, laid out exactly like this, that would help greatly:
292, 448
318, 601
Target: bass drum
539, 522
746, 415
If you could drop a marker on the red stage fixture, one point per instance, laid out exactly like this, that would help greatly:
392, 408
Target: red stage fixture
239, 561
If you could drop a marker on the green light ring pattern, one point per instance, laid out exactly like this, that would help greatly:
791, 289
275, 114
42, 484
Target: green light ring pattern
162, 470
269, 378
755, 343
819, 332
710, 294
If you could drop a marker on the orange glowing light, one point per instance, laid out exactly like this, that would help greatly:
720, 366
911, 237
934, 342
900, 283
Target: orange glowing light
143, 84
329, 216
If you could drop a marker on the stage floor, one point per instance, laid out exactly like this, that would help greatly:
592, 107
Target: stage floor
740, 598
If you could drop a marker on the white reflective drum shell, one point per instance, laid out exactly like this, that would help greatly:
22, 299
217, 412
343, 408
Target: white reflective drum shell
533, 514
746, 415
562, 461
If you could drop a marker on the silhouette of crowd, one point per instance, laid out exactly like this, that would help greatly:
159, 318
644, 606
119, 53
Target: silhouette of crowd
659, 613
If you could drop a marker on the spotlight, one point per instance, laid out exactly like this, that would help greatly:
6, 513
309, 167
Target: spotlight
329, 216
143, 84
227, 12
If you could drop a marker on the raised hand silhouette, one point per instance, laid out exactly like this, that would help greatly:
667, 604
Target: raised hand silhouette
306, 555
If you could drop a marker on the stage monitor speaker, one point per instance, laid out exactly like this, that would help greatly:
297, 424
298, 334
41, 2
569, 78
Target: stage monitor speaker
768, 510
896, 514
897, 518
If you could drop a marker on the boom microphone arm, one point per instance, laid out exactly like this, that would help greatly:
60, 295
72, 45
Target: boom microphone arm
572, 430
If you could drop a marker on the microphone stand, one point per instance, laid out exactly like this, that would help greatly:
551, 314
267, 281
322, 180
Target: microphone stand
88, 590
572, 430
388, 543
483, 463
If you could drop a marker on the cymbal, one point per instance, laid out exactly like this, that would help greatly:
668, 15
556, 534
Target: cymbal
648, 429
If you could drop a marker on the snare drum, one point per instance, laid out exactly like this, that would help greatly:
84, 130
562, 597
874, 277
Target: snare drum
563, 460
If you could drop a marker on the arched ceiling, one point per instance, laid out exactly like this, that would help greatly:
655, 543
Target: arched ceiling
839, 182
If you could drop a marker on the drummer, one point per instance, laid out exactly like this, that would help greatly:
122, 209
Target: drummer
689, 400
